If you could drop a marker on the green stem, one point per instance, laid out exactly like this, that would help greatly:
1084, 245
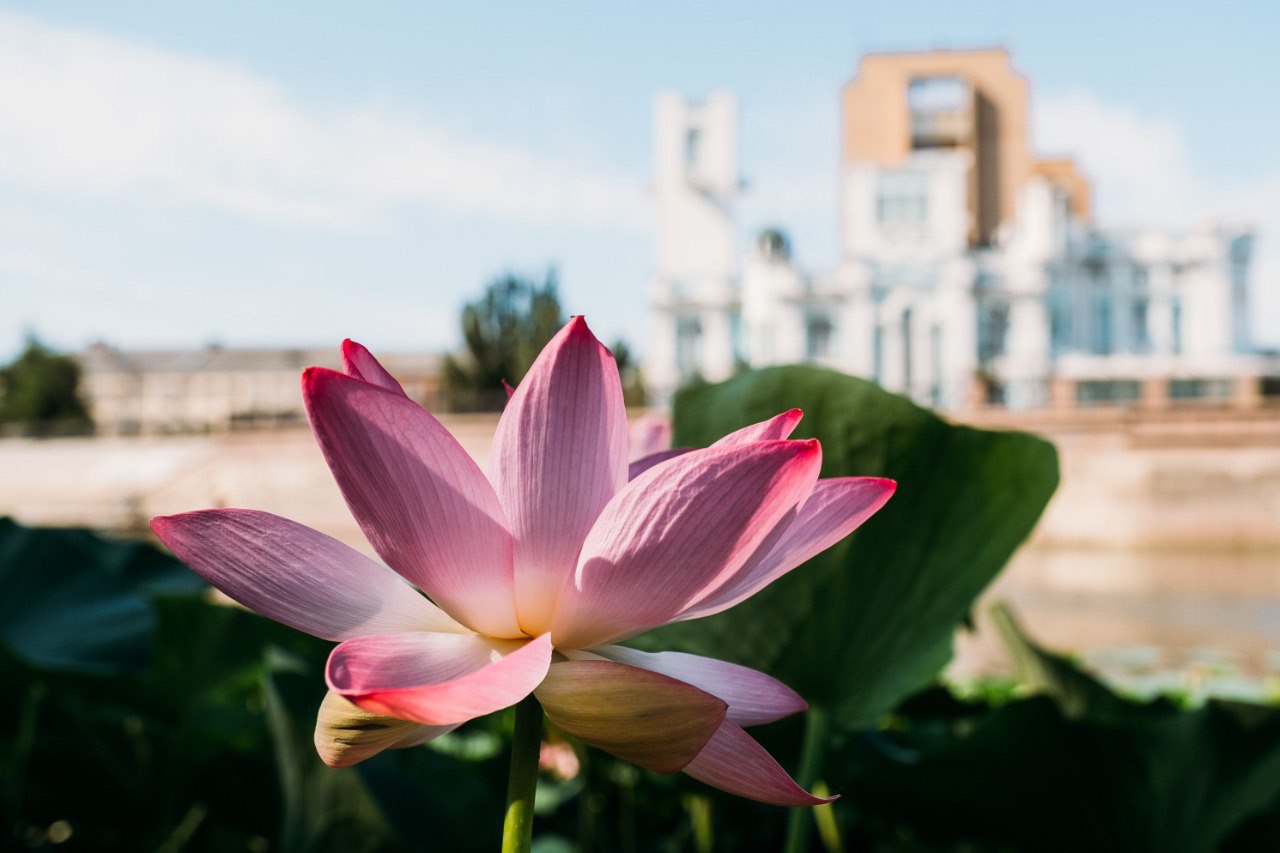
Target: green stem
522, 783
800, 821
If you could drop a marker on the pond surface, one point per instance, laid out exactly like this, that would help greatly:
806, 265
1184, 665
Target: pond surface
1151, 620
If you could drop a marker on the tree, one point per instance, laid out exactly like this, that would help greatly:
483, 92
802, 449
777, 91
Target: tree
633, 390
504, 330
40, 392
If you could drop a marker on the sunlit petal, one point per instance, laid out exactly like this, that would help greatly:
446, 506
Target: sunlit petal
837, 507
437, 679
677, 530
297, 576
559, 455
359, 363
754, 698
421, 501
776, 428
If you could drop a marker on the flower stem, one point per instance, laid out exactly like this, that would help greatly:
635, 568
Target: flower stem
800, 821
522, 783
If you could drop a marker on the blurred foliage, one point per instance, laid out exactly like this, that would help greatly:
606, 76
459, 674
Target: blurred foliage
633, 390
871, 620
72, 600
207, 746
146, 717
40, 393
504, 330
1074, 767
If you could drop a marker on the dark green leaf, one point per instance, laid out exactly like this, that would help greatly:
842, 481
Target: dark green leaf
1078, 768
870, 621
74, 600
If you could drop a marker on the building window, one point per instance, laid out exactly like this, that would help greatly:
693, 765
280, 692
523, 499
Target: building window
1176, 311
692, 148
1200, 389
939, 108
935, 366
877, 355
1100, 338
688, 346
1101, 392
1139, 336
735, 337
818, 332
993, 330
1060, 330
902, 199
906, 349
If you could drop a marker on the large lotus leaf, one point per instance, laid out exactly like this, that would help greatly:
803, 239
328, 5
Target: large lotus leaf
870, 621
71, 599
1078, 768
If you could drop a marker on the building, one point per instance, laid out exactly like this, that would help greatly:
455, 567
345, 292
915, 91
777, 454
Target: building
215, 389
971, 272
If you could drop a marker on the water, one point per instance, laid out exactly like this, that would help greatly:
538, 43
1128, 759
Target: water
1204, 621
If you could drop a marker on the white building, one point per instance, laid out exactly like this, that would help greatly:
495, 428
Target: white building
971, 274
215, 389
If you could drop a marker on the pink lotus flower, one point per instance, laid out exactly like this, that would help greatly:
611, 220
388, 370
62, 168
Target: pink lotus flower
534, 574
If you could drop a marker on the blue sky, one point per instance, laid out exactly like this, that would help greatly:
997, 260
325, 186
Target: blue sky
172, 174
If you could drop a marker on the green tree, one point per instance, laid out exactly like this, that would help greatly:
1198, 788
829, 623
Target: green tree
633, 390
503, 330
40, 392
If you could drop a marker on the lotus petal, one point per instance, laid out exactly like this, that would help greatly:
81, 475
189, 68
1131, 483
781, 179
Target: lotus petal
837, 507
297, 576
644, 463
359, 363
733, 761
437, 679
421, 501
677, 530
559, 455
649, 434
640, 716
347, 734
754, 698
776, 428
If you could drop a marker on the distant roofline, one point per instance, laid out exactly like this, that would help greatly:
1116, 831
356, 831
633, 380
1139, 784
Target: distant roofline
102, 357
216, 348
989, 50
876, 54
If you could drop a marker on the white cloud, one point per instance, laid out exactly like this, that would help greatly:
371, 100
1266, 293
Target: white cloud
33, 267
86, 113
1140, 165
1144, 174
